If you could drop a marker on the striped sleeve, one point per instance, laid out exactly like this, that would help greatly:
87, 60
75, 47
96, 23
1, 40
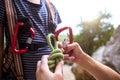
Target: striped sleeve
2, 12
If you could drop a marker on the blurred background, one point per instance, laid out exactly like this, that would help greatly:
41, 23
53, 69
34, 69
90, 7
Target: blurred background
95, 25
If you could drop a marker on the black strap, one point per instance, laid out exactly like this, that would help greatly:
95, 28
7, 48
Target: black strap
51, 24
33, 46
1, 48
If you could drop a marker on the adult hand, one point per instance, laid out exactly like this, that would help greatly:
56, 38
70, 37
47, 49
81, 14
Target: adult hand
76, 54
43, 72
73, 52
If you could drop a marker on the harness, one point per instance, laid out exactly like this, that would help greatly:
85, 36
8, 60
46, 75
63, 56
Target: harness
15, 63
12, 59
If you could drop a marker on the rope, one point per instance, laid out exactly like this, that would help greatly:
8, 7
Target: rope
56, 54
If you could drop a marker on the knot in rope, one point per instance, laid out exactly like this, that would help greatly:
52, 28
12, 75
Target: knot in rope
56, 54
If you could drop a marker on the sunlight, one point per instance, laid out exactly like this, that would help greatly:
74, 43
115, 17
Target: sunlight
72, 11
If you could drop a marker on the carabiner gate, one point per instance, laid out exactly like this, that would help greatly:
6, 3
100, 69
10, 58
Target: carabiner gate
29, 39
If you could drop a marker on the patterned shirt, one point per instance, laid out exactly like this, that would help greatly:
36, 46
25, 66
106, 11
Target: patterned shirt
39, 16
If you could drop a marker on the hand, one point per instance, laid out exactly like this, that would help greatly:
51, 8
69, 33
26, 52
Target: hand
43, 72
89, 64
74, 53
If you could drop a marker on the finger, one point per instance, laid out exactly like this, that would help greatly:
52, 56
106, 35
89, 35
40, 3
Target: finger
44, 60
38, 66
38, 71
69, 58
59, 68
70, 47
44, 63
59, 44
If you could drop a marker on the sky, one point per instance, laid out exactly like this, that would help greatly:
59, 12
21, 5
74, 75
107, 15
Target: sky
71, 11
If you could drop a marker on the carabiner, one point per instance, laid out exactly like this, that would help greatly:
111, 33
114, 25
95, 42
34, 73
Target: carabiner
62, 29
29, 40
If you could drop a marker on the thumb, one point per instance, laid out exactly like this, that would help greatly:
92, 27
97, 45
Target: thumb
38, 66
59, 68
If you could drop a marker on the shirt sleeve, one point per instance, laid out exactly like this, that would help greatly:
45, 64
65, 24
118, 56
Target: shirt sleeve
57, 16
2, 12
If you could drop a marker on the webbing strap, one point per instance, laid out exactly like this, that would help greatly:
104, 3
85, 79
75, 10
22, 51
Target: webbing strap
11, 24
51, 9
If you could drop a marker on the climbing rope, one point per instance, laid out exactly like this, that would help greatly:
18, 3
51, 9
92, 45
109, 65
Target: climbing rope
56, 54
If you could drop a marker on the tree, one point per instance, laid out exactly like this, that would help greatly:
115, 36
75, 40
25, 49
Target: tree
95, 33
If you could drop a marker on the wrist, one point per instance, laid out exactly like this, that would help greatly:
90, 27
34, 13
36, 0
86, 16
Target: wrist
85, 61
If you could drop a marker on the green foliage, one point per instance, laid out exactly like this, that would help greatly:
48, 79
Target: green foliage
95, 33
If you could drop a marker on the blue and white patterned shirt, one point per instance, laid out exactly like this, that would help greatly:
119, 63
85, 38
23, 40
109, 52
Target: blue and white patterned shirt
38, 14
